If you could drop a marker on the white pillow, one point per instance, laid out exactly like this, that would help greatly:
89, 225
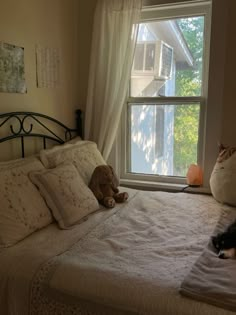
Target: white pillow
22, 210
84, 155
65, 193
73, 141
223, 180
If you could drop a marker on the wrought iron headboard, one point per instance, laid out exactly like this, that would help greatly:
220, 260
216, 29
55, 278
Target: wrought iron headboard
23, 124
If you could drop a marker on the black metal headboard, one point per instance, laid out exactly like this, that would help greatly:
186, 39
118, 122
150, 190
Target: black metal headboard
29, 124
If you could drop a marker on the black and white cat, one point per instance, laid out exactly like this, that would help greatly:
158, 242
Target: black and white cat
225, 243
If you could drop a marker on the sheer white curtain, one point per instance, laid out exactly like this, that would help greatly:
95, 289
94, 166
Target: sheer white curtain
113, 43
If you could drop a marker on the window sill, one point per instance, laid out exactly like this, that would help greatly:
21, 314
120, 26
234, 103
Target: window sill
145, 185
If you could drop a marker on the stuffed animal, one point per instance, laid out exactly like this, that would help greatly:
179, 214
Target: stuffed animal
223, 176
103, 184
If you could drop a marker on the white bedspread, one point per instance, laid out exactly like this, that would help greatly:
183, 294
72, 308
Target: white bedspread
137, 259
19, 264
133, 257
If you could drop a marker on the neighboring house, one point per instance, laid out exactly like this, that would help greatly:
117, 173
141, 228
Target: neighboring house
161, 49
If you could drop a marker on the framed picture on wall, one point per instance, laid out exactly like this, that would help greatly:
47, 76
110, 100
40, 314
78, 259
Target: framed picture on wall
12, 69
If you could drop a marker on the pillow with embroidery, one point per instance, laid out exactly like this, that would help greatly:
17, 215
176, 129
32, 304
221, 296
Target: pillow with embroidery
22, 210
223, 177
65, 194
84, 155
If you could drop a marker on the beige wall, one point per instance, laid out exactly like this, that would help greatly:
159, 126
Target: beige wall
229, 96
86, 14
50, 23
155, 2
215, 104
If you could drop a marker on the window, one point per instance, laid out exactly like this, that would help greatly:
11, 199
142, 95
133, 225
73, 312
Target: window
165, 112
153, 58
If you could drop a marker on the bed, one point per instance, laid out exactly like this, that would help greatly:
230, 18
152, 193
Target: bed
62, 253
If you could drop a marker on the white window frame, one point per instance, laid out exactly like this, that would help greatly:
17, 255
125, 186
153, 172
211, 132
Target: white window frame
155, 13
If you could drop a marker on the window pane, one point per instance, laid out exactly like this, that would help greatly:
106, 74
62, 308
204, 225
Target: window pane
169, 58
163, 138
150, 57
138, 58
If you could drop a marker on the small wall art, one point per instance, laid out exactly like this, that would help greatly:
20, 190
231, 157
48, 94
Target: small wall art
48, 67
12, 69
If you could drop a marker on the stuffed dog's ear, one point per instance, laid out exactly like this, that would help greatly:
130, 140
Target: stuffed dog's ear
115, 180
94, 181
94, 185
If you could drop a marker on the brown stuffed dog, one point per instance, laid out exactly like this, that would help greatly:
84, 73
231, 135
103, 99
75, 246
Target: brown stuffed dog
103, 184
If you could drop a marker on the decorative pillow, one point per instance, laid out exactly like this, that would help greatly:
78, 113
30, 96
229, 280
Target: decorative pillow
65, 193
73, 141
84, 155
22, 210
223, 177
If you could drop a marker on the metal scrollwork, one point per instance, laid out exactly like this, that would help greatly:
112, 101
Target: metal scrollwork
19, 126
24, 123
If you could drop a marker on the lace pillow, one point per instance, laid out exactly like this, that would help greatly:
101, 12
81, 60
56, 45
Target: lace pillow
65, 193
84, 155
223, 177
73, 141
22, 210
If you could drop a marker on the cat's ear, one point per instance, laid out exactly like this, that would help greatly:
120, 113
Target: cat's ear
214, 240
221, 147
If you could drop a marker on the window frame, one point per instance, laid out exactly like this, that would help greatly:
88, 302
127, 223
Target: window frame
159, 137
155, 13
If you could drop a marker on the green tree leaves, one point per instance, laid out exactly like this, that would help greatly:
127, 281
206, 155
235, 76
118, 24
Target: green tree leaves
188, 83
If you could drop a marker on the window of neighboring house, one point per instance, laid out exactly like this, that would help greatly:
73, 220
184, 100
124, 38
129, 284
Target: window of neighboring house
166, 106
